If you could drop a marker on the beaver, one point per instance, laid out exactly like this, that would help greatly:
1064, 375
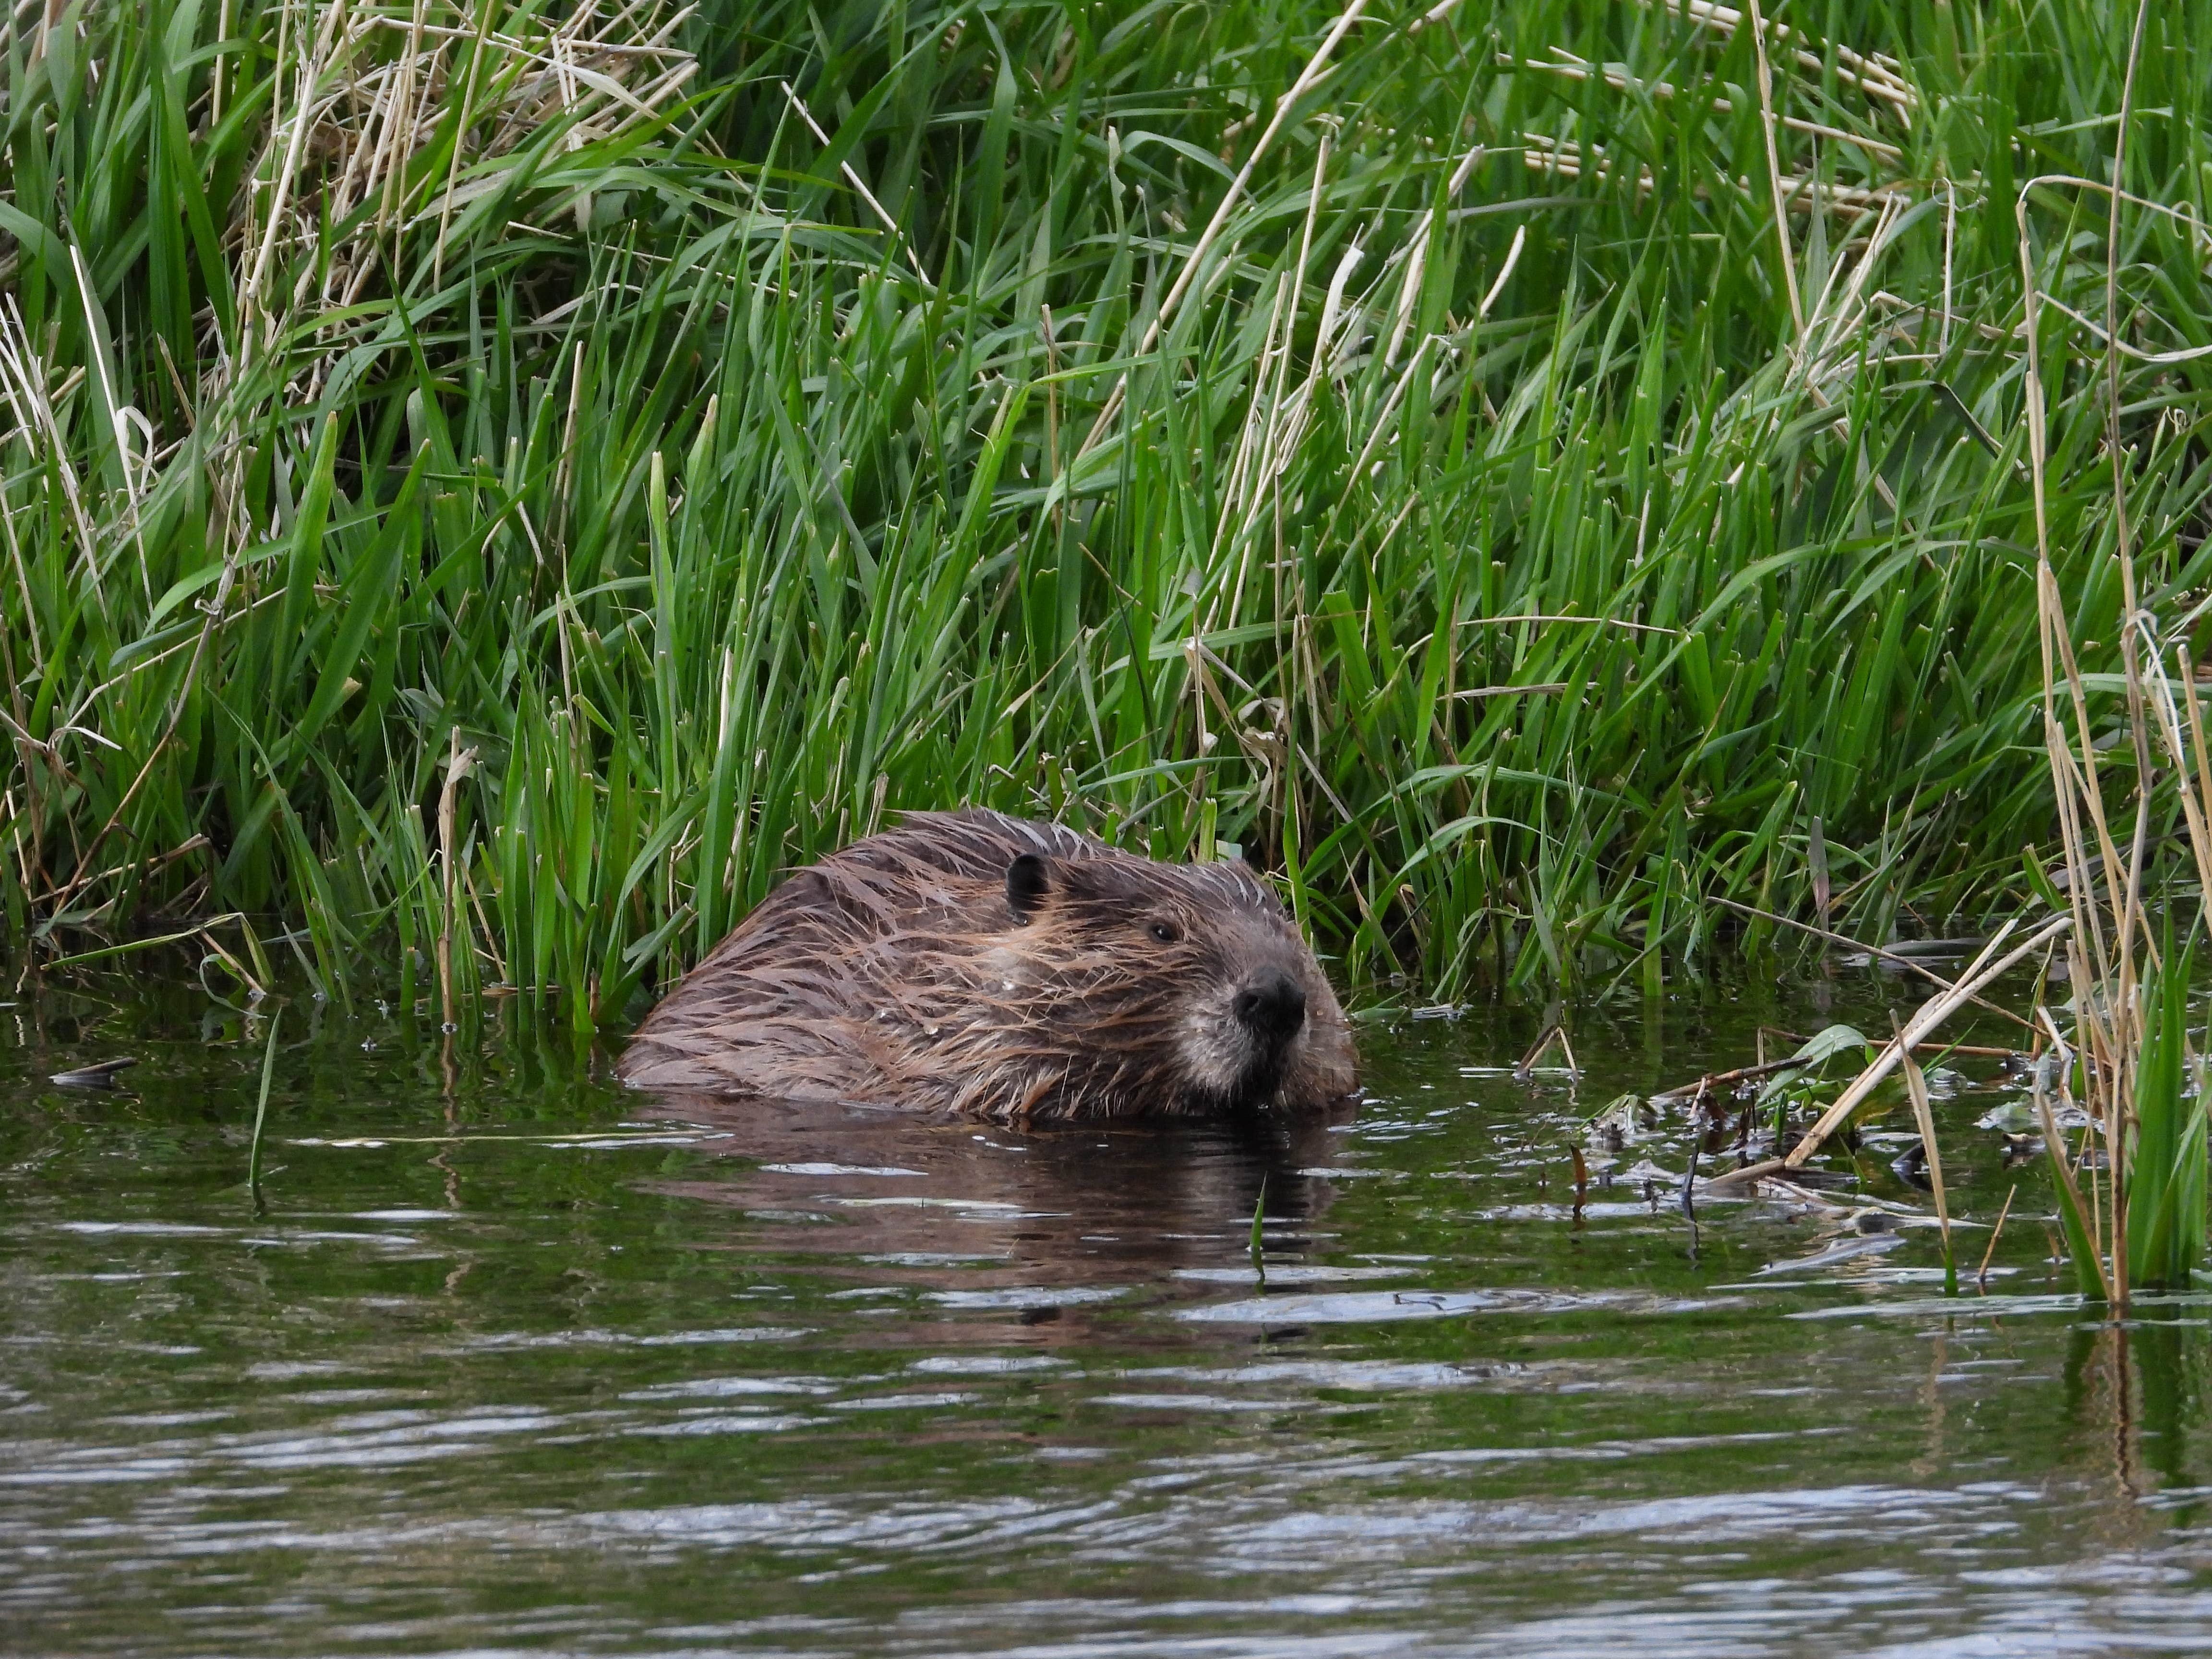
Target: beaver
971, 963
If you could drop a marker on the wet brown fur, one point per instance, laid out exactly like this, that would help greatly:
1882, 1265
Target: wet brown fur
899, 972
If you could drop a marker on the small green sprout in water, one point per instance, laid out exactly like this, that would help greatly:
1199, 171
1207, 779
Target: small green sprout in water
2154, 1237
261, 1111
2165, 1181
1259, 1224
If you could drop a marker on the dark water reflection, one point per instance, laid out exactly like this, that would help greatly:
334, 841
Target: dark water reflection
508, 1360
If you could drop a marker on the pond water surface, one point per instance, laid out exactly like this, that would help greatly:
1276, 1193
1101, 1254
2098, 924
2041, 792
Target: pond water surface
508, 1360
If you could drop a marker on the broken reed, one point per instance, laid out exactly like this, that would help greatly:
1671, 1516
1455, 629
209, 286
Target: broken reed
492, 486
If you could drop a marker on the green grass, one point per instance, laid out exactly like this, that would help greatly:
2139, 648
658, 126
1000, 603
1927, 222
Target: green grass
566, 410
2166, 1192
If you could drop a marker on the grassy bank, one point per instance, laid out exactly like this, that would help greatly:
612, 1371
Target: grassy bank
1478, 463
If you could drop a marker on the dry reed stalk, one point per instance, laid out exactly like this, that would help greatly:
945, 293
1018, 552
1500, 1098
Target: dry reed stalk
25, 384
854, 179
1554, 1033
1774, 171
1876, 73
1252, 475
1308, 78
1290, 418
1924, 1116
463, 123
1711, 1080
1982, 1273
2132, 918
456, 768
1416, 254
2108, 975
1575, 69
1504, 273
1926, 1020
2197, 803
1802, 193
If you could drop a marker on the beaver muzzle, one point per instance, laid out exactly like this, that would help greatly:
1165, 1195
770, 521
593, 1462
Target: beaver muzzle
1272, 1006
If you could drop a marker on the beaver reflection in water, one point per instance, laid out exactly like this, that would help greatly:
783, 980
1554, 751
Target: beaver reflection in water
969, 961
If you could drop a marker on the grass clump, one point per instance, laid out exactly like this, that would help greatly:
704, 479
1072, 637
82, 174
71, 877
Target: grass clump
494, 484
2143, 1086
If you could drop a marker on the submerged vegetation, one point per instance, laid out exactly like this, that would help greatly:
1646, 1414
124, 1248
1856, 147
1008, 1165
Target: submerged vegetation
491, 485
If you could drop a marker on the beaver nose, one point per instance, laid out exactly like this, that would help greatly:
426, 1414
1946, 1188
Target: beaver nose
1272, 1005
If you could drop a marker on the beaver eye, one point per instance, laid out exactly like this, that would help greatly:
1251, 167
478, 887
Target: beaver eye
1165, 933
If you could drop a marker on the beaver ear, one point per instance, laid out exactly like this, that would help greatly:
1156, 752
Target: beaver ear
1029, 878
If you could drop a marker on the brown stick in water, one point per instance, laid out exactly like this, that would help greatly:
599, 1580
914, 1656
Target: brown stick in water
1930, 1014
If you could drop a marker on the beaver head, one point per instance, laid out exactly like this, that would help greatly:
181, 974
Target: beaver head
1185, 986
972, 962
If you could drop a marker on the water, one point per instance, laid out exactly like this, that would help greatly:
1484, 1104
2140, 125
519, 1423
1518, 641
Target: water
510, 1361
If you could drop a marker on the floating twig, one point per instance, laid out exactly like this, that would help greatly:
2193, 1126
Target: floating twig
1712, 1080
1553, 1033
1930, 1014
